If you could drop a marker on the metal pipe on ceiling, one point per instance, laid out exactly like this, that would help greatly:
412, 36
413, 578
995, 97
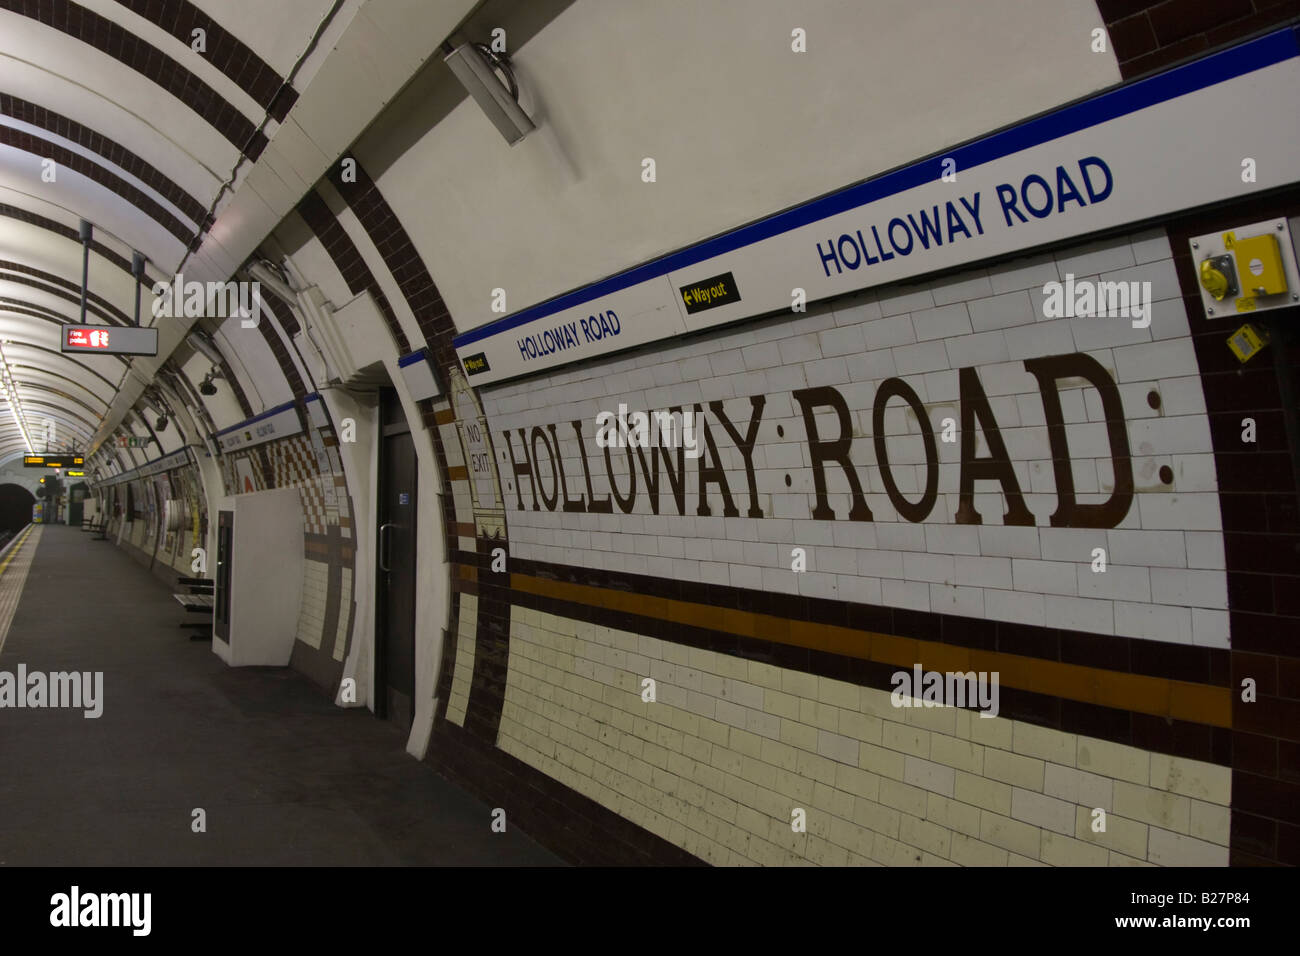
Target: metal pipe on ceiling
137, 269
87, 232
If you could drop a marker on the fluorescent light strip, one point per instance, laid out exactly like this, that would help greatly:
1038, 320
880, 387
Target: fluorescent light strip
15, 406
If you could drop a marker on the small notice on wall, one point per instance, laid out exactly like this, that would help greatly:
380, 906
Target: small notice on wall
244, 475
710, 293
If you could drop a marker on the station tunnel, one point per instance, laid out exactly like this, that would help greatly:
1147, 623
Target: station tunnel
622, 433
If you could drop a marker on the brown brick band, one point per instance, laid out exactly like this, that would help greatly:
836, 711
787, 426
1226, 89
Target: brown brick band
224, 50
1261, 535
147, 60
101, 145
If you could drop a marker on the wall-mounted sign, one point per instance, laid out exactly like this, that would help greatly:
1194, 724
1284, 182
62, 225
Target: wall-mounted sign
52, 461
1079, 170
133, 441
245, 483
110, 339
417, 372
166, 463
709, 293
75, 474
279, 422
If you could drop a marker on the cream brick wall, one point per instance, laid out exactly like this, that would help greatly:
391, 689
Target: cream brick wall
345, 612
463, 672
315, 590
731, 747
1165, 580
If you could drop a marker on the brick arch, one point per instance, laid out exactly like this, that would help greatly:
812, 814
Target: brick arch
52, 284
128, 49
67, 232
46, 149
225, 51
1150, 35
109, 149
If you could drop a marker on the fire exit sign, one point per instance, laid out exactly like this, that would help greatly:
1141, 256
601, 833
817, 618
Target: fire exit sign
110, 339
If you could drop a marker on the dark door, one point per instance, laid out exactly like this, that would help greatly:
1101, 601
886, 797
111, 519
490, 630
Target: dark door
76, 504
225, 541
395, 557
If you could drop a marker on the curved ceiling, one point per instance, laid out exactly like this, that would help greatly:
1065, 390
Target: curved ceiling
142, 118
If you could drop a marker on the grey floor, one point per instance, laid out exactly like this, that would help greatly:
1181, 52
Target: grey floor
285, 778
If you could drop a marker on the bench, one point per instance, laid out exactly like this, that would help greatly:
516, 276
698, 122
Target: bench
199, 598
95, 527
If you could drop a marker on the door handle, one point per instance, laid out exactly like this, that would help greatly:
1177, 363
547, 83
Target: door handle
383, 547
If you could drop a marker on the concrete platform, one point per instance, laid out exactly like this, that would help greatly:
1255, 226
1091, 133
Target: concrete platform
285, 778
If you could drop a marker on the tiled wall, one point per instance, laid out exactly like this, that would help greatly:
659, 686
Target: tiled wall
773, 687
732, 747
1165, 579
1261, 522
310, 462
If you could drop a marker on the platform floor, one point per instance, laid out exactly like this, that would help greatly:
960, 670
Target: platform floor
285, 778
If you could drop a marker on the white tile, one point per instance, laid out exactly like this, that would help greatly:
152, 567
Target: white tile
979, 349
963, 286
1026, 273
1080, 614
984, 572
923, 357
843, 341
1155, 360
1150, 245
1205, 550
1014, 606
905, 299
1207, 589
1153, 622
1095, 258
946, 320
888, 332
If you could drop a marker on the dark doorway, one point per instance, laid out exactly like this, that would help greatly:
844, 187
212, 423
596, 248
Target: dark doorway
225, 544
395, 566
77, 495
15, 507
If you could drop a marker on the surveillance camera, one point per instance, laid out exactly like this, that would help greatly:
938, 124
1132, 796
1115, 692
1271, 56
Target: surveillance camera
161, 423
207, 387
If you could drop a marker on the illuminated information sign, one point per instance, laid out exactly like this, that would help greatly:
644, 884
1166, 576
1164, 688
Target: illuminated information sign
53, 461
110, 339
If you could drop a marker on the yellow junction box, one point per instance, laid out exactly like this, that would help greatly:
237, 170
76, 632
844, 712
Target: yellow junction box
1259, 264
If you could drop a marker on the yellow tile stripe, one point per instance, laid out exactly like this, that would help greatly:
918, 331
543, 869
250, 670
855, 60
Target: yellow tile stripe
17, 546
1181, 700
11, 587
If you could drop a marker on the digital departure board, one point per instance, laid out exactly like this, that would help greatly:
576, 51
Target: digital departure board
53, 461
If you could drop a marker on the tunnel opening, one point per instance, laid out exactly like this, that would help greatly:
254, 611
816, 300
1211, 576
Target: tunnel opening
15, 509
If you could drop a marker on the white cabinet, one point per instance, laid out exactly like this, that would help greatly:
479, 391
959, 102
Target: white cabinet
258, 574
